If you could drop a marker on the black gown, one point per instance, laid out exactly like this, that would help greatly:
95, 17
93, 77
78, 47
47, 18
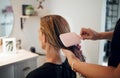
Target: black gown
50, 70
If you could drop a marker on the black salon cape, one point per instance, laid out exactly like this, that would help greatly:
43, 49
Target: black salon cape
50, 70
114, 59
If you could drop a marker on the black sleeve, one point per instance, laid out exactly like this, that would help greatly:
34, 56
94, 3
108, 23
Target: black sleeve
114, 59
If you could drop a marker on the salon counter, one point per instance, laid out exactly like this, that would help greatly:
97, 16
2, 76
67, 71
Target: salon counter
17, 65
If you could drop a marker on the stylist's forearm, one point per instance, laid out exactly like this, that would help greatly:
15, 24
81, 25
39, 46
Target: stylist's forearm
105, 35
93, 71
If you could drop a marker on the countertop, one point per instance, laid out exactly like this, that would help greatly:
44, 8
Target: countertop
10, 58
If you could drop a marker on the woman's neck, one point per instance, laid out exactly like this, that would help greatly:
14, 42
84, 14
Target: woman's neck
53, 55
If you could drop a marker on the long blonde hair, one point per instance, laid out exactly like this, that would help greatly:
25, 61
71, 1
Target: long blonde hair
54, 25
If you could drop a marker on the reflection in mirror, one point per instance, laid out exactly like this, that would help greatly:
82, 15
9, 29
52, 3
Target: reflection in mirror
6, 18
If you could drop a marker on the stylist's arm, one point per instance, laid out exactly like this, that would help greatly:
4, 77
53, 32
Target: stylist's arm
91, 70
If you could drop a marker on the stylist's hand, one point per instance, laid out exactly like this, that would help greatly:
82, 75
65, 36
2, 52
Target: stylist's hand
70, 56
87, 33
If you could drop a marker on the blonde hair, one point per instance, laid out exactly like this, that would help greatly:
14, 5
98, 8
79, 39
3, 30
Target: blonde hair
52, 26
0, 42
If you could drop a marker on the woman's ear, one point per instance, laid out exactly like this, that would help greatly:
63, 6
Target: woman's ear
44, 38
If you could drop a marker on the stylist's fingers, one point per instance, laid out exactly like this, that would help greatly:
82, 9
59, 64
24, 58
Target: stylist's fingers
67, 53
85, 33
85, 36
70, 56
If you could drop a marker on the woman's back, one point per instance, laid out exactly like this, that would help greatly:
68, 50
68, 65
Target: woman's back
50, 70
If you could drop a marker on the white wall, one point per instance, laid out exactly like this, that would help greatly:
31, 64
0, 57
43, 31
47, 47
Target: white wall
29, 34
79, 13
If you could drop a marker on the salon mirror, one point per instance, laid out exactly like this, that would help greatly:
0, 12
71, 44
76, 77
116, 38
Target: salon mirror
6, 18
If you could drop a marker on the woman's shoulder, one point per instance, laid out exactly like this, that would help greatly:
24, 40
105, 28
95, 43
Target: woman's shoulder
43, 71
